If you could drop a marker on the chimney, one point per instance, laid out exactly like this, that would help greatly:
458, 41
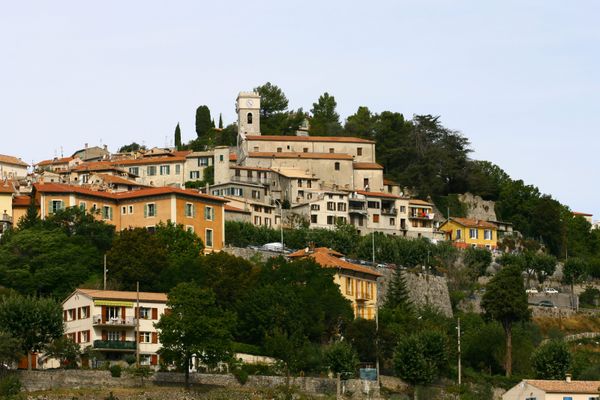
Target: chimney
86, 145
568, 378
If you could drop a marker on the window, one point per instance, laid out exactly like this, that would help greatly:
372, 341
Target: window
84, 336
313, 218
165, 169
123, 210
349, 286
113, 312
299, 182
341, 220
301, 193
189, 210
56, 205
473, 233
376, 218
373, 204
255, 148
249, 174
487, 234
330, 220
130, 209
336, 166
150, 210
239, 192
151, 170
209, 213
216, 192
331, 150
194, 174
202, 161
107, 213
279, 149
145, 313
145, 337
85, 312
134, 170
305, 150
221, 158
249, 118
366, 183
341, 206
359, 151
308, 183
151, 228
530, 398
256, 194
209, 238
402, 209
315, 207
71, 314
459, 234
330, 206
392, 221
177, 169
267, 221
257, 220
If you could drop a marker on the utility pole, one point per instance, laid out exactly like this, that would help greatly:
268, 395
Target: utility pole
105, 271
459, 364
377, 340
373, 246
137, 326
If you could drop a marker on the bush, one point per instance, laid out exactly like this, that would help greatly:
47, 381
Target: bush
130, 359
589, 297
115, 371
10, 385
241, 375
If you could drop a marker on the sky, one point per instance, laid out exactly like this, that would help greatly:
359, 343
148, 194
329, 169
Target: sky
520, 79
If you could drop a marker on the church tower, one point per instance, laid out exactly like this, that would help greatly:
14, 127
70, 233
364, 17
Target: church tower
248, 108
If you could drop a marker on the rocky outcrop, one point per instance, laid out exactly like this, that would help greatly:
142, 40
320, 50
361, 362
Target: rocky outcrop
477, 208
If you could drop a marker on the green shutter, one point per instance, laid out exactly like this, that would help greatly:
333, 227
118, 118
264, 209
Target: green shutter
61, 205
49, 207
193, 211
155, 209
110, 213
145, 210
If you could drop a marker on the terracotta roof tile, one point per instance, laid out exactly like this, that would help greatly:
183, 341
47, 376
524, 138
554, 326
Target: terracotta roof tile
379, 194
582, 214
232, 157
235, 209
118, 180
149, 160
331, 259
283, 138
473, 223
329, 156
21, 201
419, 202
122, 295
96, 166
63, 160
366, 165
12, 160
390, 182
562, 386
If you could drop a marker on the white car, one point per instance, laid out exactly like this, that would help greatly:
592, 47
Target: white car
531, 291
550, 291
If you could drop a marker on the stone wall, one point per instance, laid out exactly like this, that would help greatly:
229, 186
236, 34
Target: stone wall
78, 379
248, 253
477, 208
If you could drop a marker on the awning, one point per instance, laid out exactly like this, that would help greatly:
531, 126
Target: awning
113, 303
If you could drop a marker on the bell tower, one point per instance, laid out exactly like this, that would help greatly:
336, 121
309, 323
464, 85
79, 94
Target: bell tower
248, 108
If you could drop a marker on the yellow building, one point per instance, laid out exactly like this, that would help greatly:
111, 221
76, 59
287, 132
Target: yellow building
357, 283
465, 232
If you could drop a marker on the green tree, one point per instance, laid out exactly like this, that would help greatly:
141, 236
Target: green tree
477, 261
31, 218
36, 321
275, 119
203, 121
342, 359
195, 327
325, 121
10, 349
362, 334
178, 137
398, 295
220, 121
131, 147
65, 350
552, 360
505, 301
361, 124
420, 358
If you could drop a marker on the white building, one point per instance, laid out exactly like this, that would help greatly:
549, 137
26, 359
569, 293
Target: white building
531, 389
106, 321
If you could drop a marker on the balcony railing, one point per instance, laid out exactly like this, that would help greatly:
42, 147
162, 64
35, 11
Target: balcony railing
114, 344
127, 321
389, 211
362, 296
421, 216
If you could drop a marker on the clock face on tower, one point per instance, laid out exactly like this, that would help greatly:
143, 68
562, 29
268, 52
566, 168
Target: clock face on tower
249, 103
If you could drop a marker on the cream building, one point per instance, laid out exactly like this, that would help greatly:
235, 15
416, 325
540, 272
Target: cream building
12, 167
531, 389
107, 321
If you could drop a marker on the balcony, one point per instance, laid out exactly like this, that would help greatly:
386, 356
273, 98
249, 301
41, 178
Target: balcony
389, 211
252, 179
127, 321
362, 297
423, 216
118, 345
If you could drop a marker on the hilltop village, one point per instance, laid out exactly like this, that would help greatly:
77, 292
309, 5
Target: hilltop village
289, 249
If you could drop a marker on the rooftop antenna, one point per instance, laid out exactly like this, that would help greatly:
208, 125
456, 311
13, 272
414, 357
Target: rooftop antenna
61, 152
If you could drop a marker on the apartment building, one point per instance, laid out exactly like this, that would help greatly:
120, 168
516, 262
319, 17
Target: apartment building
466, 232
357, 283
421, 217
324, 209
196, 164
143, 208
107, 321
157, 171
58, 164
12, 167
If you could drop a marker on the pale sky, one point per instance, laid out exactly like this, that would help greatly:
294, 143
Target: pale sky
520, 79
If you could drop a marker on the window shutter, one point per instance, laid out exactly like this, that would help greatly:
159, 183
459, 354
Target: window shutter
155, 313
110, 213
89, 336
136, 312
123, 313
139, 338
154, 337
154, 359
65, 315
88, 311
155, 209
123, 333
79, 313
104, 335
104, 311
145, 210
78, 337
49, 207
61, 205
193, 211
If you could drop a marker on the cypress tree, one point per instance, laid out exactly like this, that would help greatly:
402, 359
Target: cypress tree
220, 121
177, 136
203, 120
397, 295
212, 123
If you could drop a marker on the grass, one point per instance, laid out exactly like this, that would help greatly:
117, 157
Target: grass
570, 325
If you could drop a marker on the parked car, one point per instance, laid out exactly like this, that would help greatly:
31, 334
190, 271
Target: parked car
546, 303
531, 291
551, 291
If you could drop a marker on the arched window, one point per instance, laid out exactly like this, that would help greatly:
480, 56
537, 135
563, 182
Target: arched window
249, 118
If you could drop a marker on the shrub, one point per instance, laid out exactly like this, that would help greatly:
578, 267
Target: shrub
130, 359
10, 385
115, 371
241, 375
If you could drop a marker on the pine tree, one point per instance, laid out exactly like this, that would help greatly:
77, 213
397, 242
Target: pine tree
220, 121
177, 136
31, 218
397, 295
